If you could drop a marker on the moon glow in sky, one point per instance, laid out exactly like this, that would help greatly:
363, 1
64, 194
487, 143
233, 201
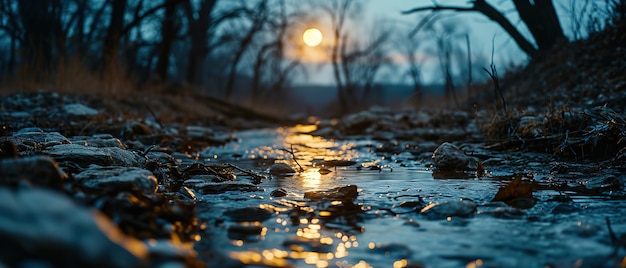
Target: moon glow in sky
312, 37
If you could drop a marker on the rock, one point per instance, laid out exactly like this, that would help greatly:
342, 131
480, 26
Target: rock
343, 193
99, 140
79, 154
282, 169
39, 224
248, 214
160, 157
199, 131
118, 179
246, 232
37, 140
124, 158
38, 170
357, 123
84, 156
279, 192
501, 210
79, 110
219, 188
449, 157
440, 211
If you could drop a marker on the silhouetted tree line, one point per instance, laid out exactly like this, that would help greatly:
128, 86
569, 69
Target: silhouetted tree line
196, 42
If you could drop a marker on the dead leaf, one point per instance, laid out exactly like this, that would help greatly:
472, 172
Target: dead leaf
517, 193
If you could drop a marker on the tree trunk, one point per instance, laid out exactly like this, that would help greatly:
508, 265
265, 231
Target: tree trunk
168, 33
542, 22
41, 23
111, 44
199, 34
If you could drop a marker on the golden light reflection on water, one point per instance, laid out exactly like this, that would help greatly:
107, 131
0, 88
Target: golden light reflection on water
310, 246
311, 178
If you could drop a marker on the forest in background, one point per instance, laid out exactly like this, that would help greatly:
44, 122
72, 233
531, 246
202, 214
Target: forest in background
249, 49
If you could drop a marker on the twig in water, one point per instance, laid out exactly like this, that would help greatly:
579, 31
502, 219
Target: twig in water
293, 155
248, 172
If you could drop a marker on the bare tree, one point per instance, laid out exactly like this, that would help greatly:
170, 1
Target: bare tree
258, 18
272, 69
169, 26
339, 11
410, 45
539, 16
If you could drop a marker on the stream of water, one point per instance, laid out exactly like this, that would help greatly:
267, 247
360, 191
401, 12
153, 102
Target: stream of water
387, 234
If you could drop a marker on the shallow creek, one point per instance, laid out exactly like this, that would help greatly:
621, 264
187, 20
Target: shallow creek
388, 233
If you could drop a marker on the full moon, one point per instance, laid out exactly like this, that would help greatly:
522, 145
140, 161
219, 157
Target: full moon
312, 37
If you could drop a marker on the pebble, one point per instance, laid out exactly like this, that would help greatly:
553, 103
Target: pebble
79, 110
248, 214
282, 169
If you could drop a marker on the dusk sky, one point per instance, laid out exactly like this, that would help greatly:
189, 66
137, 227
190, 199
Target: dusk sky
481, 31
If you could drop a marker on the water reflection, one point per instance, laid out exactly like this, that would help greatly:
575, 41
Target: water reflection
385, 228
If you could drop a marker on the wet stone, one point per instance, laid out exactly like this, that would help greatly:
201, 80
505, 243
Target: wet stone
37, 170
84, 156
449, 157
79, 154
123, 179
502, 211
279, 193
222, 187
246, 232
440, 211
248, 214
282, 169
47, 226
79, 110
343, 193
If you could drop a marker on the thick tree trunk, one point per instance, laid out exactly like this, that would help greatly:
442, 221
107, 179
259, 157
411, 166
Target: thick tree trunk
542, 21
168, 33
199, 26
41, 23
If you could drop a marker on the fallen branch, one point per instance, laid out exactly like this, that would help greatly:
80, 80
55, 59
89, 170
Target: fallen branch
293, 155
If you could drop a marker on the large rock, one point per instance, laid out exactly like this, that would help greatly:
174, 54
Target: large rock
34, 138
84, 156
449, 158
47, 227
118, 179
37, 170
